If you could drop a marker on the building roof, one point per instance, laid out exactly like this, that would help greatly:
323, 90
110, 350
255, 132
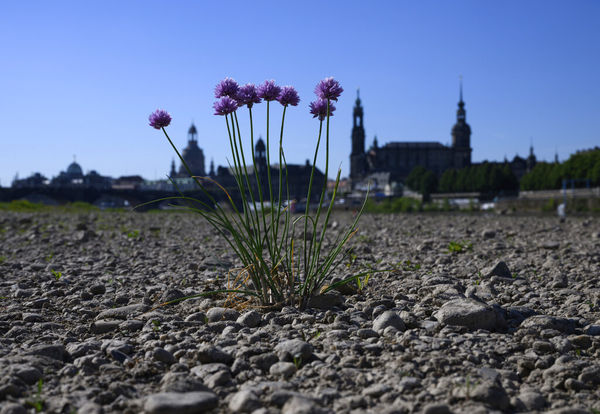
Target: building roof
74, 169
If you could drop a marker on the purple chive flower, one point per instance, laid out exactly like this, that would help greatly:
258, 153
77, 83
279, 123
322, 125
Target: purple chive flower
225, 106
269, 91
247, 95
288, 96
227, 87
319, 109
329, 88
159, 119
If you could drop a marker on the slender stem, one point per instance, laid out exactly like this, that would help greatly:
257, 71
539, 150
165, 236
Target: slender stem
258, 180
280, 183
308, 197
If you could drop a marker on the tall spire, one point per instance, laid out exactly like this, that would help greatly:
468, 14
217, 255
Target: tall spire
461, 113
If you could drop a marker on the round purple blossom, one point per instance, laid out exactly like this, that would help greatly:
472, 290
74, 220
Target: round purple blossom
225, 106
288, 96
227, 87
329, 88
269, 91
319, 109
247, 95
159, 119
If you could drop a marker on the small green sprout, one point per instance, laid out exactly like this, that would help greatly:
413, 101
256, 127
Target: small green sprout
156, 325
38, 402
297, 361
57, 275
2, 259
133, 234
459, 247
362, 283
49, 257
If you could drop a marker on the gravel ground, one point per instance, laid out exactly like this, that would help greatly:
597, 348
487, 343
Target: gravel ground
509, 324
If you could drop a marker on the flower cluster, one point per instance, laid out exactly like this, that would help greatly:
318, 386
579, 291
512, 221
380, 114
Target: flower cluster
159, 119
319, 109
326, 90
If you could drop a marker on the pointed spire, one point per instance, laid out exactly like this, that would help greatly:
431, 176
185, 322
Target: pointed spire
460, 80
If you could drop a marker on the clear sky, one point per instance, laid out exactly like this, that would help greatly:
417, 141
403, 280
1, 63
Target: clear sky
81, 77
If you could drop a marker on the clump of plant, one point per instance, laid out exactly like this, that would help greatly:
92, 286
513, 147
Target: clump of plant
284, 258
459, 246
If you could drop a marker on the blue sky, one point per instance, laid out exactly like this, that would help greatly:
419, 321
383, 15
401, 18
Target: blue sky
81, 77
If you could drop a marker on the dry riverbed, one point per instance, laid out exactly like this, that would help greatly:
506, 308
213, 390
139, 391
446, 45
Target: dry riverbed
476, 314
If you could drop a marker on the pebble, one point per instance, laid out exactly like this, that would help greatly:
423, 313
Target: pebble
469, 313
180, 403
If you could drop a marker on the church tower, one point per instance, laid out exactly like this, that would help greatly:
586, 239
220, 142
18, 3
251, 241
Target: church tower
193, 155
461, 136
357, 156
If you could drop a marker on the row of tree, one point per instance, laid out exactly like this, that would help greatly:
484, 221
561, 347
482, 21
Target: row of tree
581, 169
484, 178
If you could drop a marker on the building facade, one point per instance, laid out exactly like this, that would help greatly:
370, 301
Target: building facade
391, 163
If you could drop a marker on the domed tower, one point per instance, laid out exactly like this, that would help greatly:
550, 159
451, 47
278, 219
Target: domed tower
74, 171
193, 155
461, 136
357, 156
260, 155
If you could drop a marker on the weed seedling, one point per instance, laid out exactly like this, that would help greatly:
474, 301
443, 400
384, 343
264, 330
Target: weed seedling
57, 275
38, 402
133, 234
459, 247
297, 361
156, 325
49, 257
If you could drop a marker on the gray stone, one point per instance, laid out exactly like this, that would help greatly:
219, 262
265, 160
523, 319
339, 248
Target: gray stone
210, 353
325, 301
551, 245
300, 405
488, 233
541, 322
131, 325
468, 313
78, 349
180, 403
244, 401
492, 394
26, 373
264, 361
222, 314
293, 349
437, 408
104, 326
97, 289
181, 382
283, 369
532, 400
251, 319
218, 379
171, 295
388, 319
162, 355
56, 351
376, 390
499, 269
90, 408
196, 317
12, 408
124, 312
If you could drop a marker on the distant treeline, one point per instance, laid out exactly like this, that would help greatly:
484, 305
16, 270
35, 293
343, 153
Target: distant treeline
483, 178
583, 168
